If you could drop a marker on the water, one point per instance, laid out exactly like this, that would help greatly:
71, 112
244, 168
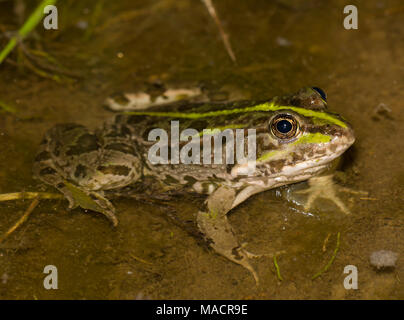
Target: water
122, 46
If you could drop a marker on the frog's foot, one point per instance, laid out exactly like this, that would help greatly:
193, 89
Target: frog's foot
143, 100
90, 200
324, 187
220, 236
217, 231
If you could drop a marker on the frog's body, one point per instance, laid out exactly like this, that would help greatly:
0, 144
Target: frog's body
296, 138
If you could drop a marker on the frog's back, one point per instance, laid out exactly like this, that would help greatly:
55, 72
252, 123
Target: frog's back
198, 116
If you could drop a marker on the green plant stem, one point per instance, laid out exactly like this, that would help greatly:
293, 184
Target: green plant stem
278, 271
5, 107
331, 260
26, 28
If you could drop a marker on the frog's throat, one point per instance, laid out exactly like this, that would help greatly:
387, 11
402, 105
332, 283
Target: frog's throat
264, 107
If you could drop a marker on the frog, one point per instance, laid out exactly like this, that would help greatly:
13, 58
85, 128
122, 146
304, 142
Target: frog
297, 138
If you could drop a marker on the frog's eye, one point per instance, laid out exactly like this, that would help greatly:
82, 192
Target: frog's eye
320, 92
284, 126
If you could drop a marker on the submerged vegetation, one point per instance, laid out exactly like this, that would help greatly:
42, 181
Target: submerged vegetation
26, 28
43, 64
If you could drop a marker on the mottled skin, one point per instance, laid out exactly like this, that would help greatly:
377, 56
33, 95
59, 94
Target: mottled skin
114, 158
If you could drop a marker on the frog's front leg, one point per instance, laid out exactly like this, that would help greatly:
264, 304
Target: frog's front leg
218, 232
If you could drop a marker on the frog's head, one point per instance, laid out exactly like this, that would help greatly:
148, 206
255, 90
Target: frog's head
299, 137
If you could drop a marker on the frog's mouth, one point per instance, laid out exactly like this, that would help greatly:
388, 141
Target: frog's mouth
307, 160
325, 155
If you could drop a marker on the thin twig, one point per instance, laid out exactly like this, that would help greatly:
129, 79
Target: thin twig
36, 57
223, 34
139, 259
326, 242
29, 195
5, 107
21, 220
331, 260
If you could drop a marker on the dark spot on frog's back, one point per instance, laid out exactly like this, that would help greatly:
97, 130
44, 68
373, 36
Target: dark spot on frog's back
125, 131
122, 147
80, 171
57, 148
47, 171
60, 185
85, 143
118, 131
112, 132
134, 119
70, 126
63, 128
115, 170
184, 106
170, 179
44, 155
190, 180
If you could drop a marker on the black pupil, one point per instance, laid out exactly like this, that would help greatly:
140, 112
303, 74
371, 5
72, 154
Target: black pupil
284, 126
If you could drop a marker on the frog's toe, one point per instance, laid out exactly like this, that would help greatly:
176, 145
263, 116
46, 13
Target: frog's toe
242, 257
105, 207
324, 187
98, 204
338, 202
72, 204
110, 215
220, 236
252, 255
352, 191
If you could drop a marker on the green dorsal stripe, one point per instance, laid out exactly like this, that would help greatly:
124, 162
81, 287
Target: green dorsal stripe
264, 107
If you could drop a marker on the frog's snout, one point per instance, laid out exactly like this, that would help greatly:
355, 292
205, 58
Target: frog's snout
350, 135
344, 139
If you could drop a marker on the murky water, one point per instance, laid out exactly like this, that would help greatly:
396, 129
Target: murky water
122, 46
